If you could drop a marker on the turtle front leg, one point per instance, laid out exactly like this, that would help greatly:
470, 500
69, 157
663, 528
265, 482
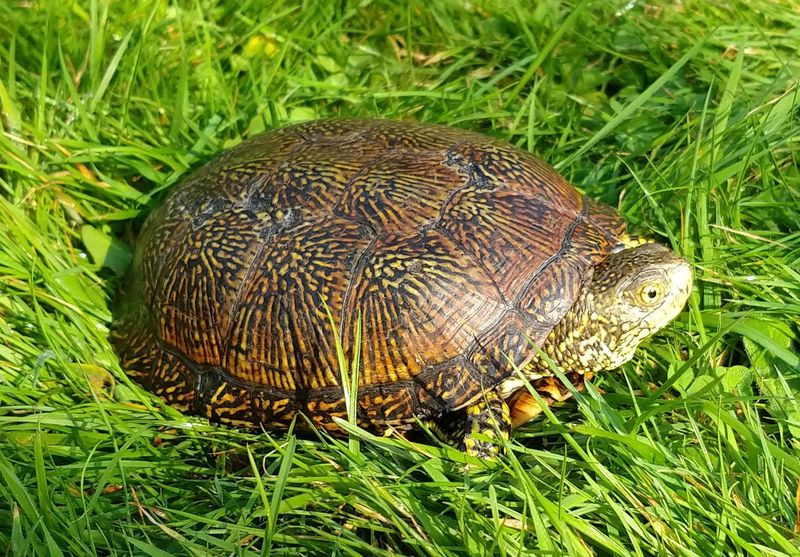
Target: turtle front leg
525, 408
476, 428
628, 241
485, 423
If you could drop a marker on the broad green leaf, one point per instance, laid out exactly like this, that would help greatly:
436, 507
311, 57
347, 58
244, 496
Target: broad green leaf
105, 250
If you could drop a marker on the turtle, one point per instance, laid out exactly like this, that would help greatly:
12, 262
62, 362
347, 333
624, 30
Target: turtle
454, 270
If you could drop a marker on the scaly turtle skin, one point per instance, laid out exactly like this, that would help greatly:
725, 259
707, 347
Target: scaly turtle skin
459, 253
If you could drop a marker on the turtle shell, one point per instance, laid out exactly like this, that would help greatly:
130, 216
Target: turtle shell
453, 251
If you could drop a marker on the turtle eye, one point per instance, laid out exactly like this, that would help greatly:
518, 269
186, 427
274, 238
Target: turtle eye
649, 294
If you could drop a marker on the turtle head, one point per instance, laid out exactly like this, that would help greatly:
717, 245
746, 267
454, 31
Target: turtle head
632, 294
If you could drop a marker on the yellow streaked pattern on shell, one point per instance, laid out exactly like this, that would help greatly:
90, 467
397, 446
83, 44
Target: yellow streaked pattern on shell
456, 250
281, 336
199, 281
421, 301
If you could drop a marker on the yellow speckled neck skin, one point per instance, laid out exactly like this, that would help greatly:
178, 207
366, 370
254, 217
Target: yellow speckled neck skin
629, 296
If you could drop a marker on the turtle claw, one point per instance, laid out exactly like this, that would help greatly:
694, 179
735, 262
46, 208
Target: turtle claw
486, 450
487, 425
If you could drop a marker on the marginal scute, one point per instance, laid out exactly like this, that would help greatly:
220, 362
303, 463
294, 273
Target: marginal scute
135, 338
388, 403
454, 250
173, 380
597, 234
605, 219
236, 404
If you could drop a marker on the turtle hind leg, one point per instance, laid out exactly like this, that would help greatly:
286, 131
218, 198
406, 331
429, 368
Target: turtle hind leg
477, 429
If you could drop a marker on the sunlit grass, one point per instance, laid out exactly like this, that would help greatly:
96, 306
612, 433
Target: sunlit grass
684, 115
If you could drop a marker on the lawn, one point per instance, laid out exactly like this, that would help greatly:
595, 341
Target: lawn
685, 115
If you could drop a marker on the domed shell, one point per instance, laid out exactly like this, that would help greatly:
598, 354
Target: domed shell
456, 252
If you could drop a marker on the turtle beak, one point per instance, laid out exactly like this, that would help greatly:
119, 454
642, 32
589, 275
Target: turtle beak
680, 277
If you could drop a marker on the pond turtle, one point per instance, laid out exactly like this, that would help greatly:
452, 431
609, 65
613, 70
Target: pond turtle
463, 258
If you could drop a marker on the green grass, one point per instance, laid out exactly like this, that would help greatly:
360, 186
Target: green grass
684, 115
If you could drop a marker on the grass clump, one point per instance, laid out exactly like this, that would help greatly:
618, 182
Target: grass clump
684, 115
